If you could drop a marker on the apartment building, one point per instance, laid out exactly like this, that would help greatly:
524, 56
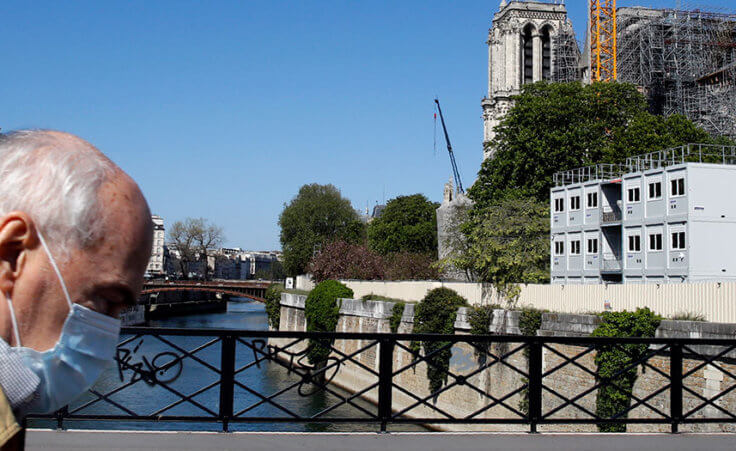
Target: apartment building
663, 217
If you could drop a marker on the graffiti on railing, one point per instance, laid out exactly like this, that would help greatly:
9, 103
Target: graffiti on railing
297, 362
163, 368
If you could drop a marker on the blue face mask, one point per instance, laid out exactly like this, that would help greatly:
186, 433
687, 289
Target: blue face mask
85, 348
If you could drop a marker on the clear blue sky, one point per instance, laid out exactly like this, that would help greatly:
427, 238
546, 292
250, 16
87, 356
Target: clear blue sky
223, 109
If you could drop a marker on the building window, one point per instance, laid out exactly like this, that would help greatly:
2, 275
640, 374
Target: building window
634, 243
677, 187
655, 241
678, 240
575, 247
559, 205
655, 190
546, 53
592, 245
527, 66
559, 248
633, 194
575, 203
592, 200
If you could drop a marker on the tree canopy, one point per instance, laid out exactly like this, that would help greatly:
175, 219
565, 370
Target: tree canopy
407, 224
559, 126
507, 243
195, 239
316, 215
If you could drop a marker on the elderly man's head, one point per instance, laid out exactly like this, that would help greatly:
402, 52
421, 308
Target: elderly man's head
93, 217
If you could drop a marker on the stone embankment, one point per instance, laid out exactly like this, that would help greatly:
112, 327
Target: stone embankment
498, 380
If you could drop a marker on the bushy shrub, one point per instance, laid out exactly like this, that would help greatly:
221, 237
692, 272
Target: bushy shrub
322, 311
342, 260
273, 304
411, 266
612, 360
436, 314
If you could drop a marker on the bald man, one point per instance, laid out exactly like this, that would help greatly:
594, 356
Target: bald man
75, 239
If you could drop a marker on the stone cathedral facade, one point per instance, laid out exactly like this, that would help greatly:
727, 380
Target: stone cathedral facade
527, 42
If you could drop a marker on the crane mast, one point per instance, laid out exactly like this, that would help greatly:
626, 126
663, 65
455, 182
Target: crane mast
455, 172
603, 40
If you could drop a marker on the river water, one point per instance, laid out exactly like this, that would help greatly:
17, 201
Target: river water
191, 376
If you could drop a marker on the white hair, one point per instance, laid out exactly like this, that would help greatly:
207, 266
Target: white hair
55, 178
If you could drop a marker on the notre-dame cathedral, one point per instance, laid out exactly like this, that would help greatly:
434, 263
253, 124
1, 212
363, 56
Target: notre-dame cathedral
527, 42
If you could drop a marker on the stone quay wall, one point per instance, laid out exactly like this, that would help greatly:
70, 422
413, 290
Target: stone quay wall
498, 380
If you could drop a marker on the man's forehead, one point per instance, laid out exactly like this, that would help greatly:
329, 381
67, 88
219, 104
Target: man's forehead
127, 219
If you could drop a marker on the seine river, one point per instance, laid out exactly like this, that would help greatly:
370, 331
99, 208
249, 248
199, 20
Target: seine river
190, 376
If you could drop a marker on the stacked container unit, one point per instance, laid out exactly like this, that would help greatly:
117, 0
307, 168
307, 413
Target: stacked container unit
669, 224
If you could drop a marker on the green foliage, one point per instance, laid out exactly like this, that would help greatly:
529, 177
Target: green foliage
613, 360
376, 297
317, 215
507, 243
559, 126
396, 313
688, 316
407, 224
273, 304
436, 314
322, 311
530, 320
480, 318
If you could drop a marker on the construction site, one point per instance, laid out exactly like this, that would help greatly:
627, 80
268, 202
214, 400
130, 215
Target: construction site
683, 61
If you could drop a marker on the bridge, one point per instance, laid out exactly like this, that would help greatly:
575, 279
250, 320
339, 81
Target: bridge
249, 289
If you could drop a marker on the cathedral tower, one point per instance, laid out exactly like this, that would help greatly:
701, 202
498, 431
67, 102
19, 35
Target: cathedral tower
527, 42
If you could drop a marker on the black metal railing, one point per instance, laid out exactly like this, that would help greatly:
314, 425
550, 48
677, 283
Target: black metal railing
231, 377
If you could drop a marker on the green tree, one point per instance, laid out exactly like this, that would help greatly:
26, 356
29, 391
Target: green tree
558, 126
407, 224
507, 243
316, 215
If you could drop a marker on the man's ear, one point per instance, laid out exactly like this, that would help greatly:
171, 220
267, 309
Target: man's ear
17, 236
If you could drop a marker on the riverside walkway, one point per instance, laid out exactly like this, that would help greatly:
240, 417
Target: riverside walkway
253, 441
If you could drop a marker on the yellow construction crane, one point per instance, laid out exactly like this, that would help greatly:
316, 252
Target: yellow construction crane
603, 40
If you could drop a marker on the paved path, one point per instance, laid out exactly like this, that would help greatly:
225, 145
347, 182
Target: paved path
133, 441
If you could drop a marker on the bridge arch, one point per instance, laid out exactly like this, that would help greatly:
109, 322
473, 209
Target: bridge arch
214, 290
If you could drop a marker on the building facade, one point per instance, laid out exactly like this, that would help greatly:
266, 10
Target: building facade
157, 263
665, 217
527, 42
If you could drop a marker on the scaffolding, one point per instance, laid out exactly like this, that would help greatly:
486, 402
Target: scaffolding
684, 61
565, 56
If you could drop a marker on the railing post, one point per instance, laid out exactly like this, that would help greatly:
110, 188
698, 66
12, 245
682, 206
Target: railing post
385, 380
535, 383
60, 414
676, 385
227, 380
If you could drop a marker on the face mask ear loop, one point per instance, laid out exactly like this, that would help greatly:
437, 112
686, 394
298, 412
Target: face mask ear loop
13, 320
56, 268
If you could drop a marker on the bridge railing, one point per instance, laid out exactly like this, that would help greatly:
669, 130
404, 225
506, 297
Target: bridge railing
230, 378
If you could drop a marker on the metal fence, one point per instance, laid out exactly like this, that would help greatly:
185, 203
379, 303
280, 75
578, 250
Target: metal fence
386, 377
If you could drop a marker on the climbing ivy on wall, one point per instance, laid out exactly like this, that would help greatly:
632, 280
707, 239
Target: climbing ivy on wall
273, 304
612, 360
396, 313
322, 311
480, 318
530, 320
436, 314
